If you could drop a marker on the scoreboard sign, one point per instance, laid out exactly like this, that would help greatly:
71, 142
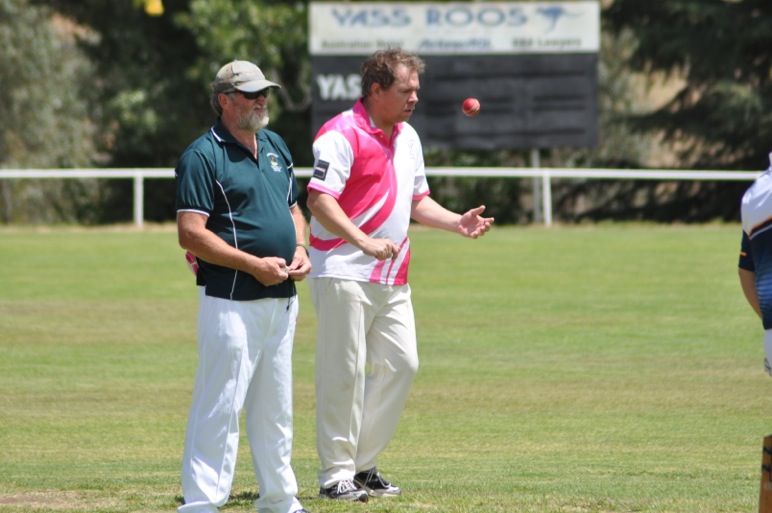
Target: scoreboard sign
533, 66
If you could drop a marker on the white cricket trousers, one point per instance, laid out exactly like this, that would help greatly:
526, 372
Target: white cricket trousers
360, 325
244, 362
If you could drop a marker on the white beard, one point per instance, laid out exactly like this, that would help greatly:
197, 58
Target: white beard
252, 121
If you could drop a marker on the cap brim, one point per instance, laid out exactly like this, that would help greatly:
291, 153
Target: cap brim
255, 85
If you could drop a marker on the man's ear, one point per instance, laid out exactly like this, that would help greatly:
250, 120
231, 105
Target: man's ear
223, 100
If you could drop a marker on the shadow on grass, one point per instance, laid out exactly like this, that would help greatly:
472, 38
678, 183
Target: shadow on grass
238, 499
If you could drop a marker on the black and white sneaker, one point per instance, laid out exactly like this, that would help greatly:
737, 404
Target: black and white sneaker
344, 490
372, 482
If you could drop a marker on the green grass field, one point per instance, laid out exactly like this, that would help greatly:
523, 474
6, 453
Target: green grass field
607, 368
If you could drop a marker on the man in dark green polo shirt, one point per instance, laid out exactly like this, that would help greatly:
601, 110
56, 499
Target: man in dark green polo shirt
237, 213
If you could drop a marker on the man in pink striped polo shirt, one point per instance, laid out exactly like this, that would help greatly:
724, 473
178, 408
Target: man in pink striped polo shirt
367, 185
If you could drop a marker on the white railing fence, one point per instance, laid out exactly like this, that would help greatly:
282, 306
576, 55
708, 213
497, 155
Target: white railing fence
542, 178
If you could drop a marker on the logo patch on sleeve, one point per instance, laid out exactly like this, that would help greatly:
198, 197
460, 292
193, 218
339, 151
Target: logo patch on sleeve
320, 169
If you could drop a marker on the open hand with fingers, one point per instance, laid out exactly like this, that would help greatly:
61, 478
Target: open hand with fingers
473, 225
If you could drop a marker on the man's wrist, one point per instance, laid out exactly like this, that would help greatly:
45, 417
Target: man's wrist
302, 245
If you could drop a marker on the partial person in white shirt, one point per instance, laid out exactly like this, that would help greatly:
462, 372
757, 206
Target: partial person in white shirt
755, 266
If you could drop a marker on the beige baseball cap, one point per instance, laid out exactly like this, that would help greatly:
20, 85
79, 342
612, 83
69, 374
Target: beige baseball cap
241, 75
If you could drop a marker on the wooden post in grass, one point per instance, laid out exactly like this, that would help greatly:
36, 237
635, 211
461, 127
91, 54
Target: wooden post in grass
765, 494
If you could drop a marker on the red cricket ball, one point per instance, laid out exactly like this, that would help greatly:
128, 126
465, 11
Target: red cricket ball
471, 107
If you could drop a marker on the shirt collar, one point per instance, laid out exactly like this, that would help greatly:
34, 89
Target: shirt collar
221, 133
364, 121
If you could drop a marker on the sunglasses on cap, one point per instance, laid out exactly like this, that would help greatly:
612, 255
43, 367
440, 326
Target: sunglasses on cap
255, 94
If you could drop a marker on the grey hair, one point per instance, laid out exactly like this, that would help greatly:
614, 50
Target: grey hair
215, 102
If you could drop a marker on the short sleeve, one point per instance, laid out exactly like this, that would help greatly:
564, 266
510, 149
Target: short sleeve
195, 181
333, 158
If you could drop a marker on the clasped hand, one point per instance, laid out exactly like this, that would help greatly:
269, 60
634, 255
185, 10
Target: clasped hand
381, 249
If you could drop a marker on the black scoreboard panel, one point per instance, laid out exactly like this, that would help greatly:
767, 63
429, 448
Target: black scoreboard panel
528, 101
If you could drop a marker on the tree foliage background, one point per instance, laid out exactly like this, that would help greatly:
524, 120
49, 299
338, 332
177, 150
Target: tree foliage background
721, 117
44, 114
102, 83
